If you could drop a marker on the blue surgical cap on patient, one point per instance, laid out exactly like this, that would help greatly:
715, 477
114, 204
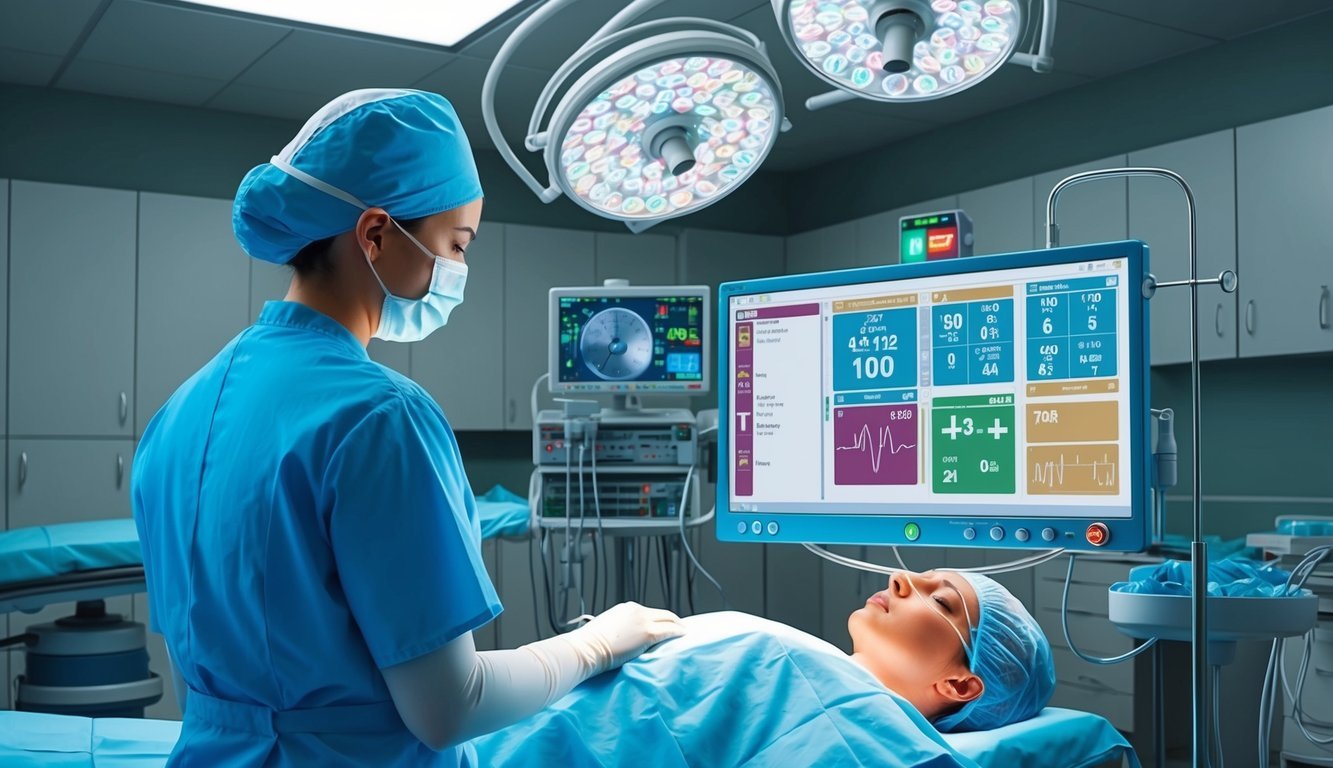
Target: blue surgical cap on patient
401, 150
1012, 657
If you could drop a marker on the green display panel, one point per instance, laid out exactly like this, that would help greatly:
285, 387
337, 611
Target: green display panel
973, 446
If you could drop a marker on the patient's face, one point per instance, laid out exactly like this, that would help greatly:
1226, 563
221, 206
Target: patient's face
912, 644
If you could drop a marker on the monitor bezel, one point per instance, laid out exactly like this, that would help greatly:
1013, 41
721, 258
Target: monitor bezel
1132, 534
555, 386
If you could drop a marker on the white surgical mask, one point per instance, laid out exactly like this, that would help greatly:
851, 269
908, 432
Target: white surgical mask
414, 319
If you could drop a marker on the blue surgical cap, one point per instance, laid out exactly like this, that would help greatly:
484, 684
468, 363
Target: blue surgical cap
1011, 656
401, 150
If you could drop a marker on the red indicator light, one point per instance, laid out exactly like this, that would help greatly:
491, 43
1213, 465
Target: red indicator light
1098, 534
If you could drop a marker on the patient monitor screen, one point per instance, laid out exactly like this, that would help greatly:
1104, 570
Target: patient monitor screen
988, 394
629, 340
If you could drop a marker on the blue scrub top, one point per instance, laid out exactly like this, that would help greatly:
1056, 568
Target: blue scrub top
305, 522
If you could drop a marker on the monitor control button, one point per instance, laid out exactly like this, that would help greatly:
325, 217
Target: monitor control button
912, 531
756, 527
1048, 534
773, 529
969, 533
996, 533
1098, 534
741, 527
1022, 534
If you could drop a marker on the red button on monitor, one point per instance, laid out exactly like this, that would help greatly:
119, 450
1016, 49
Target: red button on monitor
1098, 534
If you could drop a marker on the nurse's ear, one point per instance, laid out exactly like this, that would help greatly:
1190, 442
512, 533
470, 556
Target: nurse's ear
371, 227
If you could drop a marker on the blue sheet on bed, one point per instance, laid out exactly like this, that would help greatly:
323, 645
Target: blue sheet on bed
502, 513
736, 690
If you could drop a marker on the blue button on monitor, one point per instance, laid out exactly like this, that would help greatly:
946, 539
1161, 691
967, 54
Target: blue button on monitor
969, 533
772, 529
1048, 534
996, 533
1022, 534
756, 527
741, 527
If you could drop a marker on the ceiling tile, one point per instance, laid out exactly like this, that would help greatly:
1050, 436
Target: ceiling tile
329, 64
27, 68
182, 41
131, 83
44, 26
1208, 17
1010, 86
256, 100
1095, 43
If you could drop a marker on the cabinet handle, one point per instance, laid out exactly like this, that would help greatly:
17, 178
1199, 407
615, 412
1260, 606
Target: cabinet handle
23, 468
1249, 317
513, 410
1323, 307
124, 408
1217, 321
120, 470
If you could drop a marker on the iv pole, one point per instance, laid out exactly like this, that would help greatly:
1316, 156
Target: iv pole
1198, 548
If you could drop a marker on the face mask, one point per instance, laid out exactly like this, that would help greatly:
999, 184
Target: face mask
415, 319
967, 652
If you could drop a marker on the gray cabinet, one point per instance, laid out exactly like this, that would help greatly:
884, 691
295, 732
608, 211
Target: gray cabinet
1157, 216
537, 259
71, 336
641, 259
462, 364
1001, 217
194, 283
710, 257
68, 481
823, 249
878, 236
1284, 185
1091, 212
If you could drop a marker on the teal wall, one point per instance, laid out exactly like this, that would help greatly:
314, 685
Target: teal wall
104, 141
1279, 71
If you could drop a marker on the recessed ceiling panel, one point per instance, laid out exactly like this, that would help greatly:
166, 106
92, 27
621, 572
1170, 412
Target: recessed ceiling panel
1221, 20
318, 62
132, 83
181, 41
26, 68
270, 102
44, 26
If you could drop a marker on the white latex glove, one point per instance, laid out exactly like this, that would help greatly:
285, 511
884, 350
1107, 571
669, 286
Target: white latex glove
621, 633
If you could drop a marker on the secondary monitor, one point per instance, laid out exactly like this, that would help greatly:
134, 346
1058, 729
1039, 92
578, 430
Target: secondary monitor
996, 401
630, 339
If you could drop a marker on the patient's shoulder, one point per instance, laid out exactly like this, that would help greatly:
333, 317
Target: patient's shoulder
707, 628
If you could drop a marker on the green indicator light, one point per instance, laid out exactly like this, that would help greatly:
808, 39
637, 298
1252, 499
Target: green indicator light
912, 531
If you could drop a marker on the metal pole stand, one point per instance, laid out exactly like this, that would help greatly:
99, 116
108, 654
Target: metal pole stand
1198, 548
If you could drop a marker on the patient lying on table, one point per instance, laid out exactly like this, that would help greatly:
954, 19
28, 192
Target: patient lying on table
956, 649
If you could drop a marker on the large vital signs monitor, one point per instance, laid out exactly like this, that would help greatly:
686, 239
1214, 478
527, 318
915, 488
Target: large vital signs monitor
996, 401
629, 339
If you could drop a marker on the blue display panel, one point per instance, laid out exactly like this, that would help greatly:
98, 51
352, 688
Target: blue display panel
996, 401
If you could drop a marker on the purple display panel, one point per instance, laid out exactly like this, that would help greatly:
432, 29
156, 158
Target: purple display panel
776, 313
743, 429
875, 445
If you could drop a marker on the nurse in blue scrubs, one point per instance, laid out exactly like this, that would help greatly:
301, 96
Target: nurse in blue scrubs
309, 536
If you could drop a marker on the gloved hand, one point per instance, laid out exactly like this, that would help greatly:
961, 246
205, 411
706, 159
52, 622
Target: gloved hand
621, 633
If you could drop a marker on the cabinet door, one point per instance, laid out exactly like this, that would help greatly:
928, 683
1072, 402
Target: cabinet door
1157, 216
71, 334
641, 259
462, 364
194, 288
823, 249
537, 259
1284, 186
4, 303
1091, 212
68, 481
878, 236
1001, 217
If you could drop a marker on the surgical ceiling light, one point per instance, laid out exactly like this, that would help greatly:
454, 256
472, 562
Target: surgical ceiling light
656, 120
422, 21
908, 50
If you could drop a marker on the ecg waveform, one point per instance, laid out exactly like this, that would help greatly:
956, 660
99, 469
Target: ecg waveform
863, 442
875, 445
1054, 471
